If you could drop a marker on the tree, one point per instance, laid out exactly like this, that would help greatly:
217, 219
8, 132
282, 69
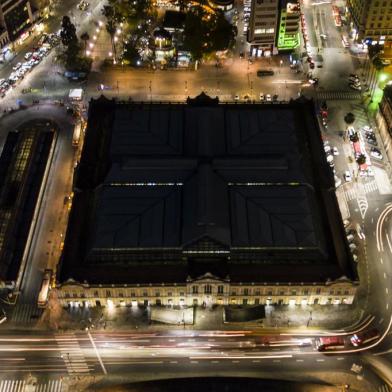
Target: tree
349, 118
131, 54
361, 159
223, 33
85, 37
194, 32
68, 32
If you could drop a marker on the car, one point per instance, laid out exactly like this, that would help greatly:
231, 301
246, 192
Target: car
364, 337
268, 98
335, 151
353, 75
262, 97
351, 131
373, 142
323, 36
28, 55
353, 79
347, 176
314, 80
370, 172
236, 97
17, 66
327, 148
350, 238
355, 87
352, 247
275, 97
311, 65
366, 128
375, 153
370, 135
241, 55
355, 257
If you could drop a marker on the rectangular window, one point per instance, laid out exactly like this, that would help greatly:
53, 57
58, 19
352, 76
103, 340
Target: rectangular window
269, 292
257, 301
195, 289
220, 289
318, 291
245, 301
121, 295
246, 291
133, 294
157, 293
169, 293
96, 293
108, 293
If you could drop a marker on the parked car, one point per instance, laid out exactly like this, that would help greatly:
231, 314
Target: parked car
375, 153
347, 176
364, 337
335, 151
355, 86
268, 98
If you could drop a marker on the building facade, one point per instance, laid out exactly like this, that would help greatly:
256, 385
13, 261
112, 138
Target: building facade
17, 17
263, 27
371, 21
384, 120
289, 23
206, 290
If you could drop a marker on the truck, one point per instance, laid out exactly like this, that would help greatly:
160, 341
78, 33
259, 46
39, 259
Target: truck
45, 288
330, 343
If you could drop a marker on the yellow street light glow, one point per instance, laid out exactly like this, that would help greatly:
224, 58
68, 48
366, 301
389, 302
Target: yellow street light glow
91, 45
94, 37
88, 53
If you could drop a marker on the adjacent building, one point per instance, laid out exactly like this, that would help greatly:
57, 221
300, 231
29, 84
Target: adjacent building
204, 203
263, 24
289, 26
371, 21
384, 120
17, 18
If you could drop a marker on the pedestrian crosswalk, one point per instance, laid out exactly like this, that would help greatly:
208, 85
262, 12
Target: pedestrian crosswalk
26, 313
384, 388
23, 386
338, 95
370, 186
71, 353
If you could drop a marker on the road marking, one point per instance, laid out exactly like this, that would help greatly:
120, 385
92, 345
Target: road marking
320, 360
237, 361
276, 360
299, 360
255, 361
385, 275
389, 242
173, 361
381, 320
340, 358
387, 306
194, 361
97, 353
381, 261
386, 290
214, 361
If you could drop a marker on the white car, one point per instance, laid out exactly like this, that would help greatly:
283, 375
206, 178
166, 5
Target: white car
28, 55
335, 151
370, 172
268, 97
17, 66
347, 176
375, 153
351, 131
366, 128
327, 148
236, 97
355, 86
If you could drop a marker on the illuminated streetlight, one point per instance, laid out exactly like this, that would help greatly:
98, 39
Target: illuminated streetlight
100, 23
94, 37
110, 54
88, 53
97, 30
91, 45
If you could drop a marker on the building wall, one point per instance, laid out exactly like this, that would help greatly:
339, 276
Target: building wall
206, 292
372, 19
384, 121
263, 23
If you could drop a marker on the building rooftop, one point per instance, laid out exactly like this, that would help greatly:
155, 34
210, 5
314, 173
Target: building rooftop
235, 189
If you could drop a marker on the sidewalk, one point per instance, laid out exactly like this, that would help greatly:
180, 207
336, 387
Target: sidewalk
326, 317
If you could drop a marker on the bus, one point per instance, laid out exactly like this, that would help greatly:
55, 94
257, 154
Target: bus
76, 133
330, 343
45, 288
265, 72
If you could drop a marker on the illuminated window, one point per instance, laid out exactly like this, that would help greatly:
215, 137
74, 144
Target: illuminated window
207, 289
220, 289
195, 289
259, 31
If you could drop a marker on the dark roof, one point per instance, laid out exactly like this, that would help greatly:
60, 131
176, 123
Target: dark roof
173, 20
164, 183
